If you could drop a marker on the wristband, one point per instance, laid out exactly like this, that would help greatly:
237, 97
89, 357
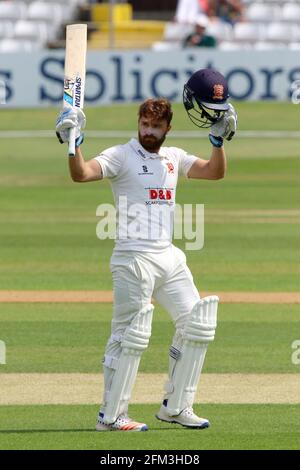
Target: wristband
216, 141
79, 141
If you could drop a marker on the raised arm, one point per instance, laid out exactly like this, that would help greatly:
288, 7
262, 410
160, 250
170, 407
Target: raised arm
215, 167
82, 171
212, 169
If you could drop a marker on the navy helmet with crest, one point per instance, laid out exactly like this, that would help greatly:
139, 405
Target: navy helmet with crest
205, 97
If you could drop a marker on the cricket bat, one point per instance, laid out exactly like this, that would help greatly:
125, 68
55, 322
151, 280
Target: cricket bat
74, 78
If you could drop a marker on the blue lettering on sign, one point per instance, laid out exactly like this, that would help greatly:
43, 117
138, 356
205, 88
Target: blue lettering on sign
293, 76
210, 65
119, 95
137, 78
270, 74
154, 83
47, 72
7, 75
189, 72
133, 77
138, 95
58, 79
249, 78
90, 74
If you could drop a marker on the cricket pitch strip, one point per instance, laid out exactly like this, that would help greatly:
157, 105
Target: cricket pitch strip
74, 389
106, 296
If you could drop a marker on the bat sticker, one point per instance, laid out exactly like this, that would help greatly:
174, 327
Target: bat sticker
73, 91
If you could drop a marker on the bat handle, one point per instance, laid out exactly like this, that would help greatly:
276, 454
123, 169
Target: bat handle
72, 142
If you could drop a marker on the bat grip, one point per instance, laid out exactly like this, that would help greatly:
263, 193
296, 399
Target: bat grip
72, 142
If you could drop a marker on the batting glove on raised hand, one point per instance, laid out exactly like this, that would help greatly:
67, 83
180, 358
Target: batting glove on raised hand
70, 118
225, 128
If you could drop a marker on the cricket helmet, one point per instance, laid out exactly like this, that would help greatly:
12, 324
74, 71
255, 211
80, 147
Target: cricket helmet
205, 97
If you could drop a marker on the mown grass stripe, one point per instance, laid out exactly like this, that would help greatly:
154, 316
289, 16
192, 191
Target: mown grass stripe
71, 389
41, 296
98, 134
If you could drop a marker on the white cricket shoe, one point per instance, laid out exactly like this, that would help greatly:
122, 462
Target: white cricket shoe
122, 423
186, 418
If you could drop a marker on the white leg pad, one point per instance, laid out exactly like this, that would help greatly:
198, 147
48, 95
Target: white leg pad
198, 332
134, 341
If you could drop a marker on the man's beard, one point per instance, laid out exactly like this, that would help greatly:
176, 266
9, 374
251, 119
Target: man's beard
151, 143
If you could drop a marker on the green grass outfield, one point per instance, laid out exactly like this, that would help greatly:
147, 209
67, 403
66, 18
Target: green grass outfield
71, 338
71, 427
48, 241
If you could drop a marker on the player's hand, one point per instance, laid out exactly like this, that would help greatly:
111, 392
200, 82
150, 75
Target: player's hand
226, 127
70, 118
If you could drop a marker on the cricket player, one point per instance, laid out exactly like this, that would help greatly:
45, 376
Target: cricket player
145, 264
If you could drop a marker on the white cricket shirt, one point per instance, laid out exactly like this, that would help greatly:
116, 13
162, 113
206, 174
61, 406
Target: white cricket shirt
144, 188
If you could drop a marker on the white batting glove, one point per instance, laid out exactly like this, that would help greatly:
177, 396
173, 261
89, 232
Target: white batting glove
226, 127
69, 118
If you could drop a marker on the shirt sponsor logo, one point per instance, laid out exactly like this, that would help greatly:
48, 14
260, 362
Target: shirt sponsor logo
160, 194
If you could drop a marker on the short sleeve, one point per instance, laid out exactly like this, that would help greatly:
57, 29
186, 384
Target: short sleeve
186, 160
111, 161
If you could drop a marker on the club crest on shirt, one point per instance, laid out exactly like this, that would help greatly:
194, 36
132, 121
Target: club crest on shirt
170, 168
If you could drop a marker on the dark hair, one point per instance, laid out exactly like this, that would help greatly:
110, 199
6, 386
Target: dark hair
157, 108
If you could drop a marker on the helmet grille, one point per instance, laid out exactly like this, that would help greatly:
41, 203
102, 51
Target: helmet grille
201, 117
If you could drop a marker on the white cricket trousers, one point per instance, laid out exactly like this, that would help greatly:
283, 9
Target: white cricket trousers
139, 276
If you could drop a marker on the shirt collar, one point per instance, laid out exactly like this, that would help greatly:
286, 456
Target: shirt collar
139, 149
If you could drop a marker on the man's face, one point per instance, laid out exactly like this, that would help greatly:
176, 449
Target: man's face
152, 133
200, 30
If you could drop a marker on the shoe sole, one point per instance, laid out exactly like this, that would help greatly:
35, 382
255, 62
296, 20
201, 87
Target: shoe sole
144, 429
200, 426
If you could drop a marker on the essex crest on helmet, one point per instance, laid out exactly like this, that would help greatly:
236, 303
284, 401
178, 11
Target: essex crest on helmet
205, 97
